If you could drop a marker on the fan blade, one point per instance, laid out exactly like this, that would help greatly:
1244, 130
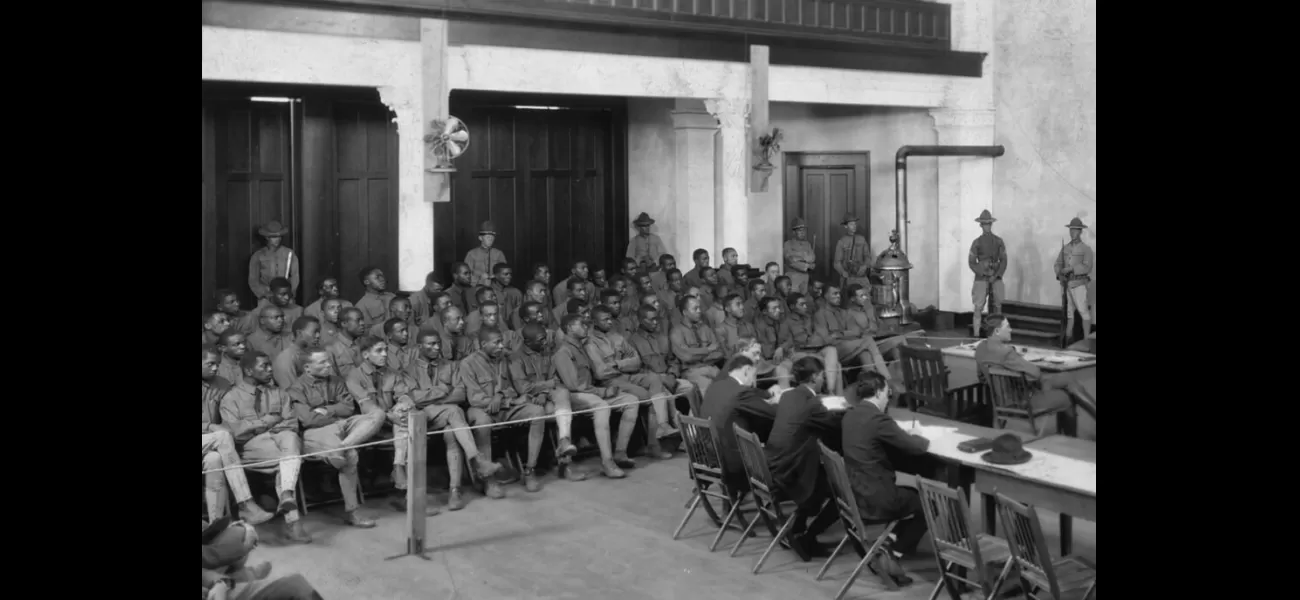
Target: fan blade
459, 136
453, 149
452, 125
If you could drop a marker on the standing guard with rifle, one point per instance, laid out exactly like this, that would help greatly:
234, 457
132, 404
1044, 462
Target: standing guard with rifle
852, 256
1074, 271
800, 260
988, 260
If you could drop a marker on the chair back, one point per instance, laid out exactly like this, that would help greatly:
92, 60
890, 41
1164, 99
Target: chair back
838, 476
760, 477
701, 449
948, 515
1028, 545
695, 399
925, 377
1009, 390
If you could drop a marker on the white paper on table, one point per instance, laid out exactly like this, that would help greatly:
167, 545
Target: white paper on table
835, 402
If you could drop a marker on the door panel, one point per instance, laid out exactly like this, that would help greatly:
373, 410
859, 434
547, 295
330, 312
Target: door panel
365, 193
821, 188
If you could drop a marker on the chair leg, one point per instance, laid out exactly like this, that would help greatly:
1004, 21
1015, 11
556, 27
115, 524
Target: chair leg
876, 547
943, 579
780, 535
302, 495
725, 524
834, 553
1091, 590
694, 504
1002, 579
744, 535
946, 582
696, 491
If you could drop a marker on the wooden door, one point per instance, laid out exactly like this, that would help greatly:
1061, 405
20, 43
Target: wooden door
366, 194
251, 184
553, 182
821, 188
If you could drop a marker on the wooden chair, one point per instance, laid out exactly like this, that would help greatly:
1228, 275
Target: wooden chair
705, 467
855, 527
766, 499
1011, 392
948, 515
926, 378
1070, 577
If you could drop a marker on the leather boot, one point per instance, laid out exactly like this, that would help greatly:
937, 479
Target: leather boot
251, 513
287, 502
454, 500
565, 448
568, 472
492, 489
611, 470
357, 520
621, 459
485, 468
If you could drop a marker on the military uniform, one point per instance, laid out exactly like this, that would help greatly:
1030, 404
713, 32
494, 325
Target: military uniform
267, 264
481, 260
988, 260
799, 259
1074, 270
852, 257
643, 248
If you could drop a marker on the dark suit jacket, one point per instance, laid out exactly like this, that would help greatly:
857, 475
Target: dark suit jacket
870, 437
792, 452
728, 402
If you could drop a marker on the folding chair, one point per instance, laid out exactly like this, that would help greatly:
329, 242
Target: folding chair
926, 378
763, 490
948, 515
705, 468
1011, 392
1070, 577
855, 527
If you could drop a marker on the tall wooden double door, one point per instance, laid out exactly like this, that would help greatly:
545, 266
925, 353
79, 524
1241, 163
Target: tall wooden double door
322, 161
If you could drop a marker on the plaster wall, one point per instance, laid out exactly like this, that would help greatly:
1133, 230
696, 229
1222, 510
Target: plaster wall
1046, 86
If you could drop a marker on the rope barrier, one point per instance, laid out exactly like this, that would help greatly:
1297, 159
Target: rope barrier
394, 440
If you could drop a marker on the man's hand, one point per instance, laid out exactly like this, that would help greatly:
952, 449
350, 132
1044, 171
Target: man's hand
272, 420
538, 399
779, 355
322, 412
494, 406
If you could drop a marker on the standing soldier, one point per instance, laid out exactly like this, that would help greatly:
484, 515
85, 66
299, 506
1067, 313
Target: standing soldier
481, 259
988, 259
272, 261
645, 247
799, 256
852, 254
1074, 270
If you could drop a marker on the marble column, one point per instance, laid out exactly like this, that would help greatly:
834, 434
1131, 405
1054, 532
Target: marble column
693, 215
965, 189
731, 209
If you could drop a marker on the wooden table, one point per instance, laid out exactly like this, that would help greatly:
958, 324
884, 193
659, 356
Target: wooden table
1052, 361
1061, 477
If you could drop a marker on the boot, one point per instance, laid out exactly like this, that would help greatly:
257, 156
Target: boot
454, 500
567, 471
565, 448
260, 572
621, 459
295, 534
492, 489
356, 519
611, 470
530, 480
287, 502
654, 450
485, 468
666, 430
251, 513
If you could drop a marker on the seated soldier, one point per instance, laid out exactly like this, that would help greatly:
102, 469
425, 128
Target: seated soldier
716, 313
695, 345
281, 296
260, 421
730, 260
738, 336
578, 272
767, 327
395, 394
579, 307
327, 412
473, 320
632, 323
533, 313
862, 317
343, 351
490, 316
616, 364
783, 291
287, 366
422, 302
577, 290
374, 303
644, 284
329, 319
219, 451
743, 274
770, 272
492, 397
398, 308
709, 286
674, 287
1055, 390
797, 333
433, 323
228, 302
400, 351
462, 288
574, 370
270, 338
533, 376
816, 295
328, 289
651, 343
542, 274
757, 293
437, 393
612, 300
599, 278
833, 324
659, 276
675, 311
233, 347
535, 291
215, 323
455, 344
508, 298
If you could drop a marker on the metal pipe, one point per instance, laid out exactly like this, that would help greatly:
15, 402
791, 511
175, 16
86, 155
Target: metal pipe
900, 191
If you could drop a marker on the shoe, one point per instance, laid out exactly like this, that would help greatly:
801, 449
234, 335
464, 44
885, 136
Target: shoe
623, 461
800, 547
398, 503
287, 503
569, 473
657, 451
492, 489
253, 514
357, 520
454, 500
260, 571
485, 468
611, 470
295, 534
666, 430
565, 449
530, 481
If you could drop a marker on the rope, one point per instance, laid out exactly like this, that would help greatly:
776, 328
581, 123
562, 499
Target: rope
394, 440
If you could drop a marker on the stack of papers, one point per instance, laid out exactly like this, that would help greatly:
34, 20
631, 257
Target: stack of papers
926, 431
835, 402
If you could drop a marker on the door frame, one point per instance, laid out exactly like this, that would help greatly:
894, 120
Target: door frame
859, 161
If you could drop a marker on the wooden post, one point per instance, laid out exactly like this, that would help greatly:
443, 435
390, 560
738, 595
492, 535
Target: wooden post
416, 497
758, 117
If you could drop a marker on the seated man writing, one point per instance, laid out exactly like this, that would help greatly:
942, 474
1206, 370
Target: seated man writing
1059, 389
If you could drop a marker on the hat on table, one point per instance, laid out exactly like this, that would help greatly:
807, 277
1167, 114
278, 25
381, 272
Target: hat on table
1007, 450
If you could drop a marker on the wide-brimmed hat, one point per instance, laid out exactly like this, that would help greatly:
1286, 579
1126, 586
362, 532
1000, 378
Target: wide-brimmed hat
797, 223
643, 219
1075, 223
272, 229
1007, 449
487, 228
985, 217
848, 218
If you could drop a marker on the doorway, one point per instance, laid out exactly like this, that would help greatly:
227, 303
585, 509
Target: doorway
821, 188
321, 160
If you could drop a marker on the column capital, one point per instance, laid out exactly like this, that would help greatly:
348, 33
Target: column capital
692, 119
963, 118
730, 112
403, 102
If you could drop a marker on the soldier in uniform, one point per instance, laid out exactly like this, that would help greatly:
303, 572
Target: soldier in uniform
272, 261
988, 260
1074, 271
799, 256
481, 259
645, 247
852, 256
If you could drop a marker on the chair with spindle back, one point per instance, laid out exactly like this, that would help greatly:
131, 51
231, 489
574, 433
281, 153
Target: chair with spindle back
1010, 392
948, 515
766, 497
705, 467
926, 378
855, 526
1070, 577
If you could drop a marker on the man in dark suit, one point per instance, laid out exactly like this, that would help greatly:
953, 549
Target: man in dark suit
873, 444
795, 460
733, 399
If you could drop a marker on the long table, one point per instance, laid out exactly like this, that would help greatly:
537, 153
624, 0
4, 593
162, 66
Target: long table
1062, 475
1052, 361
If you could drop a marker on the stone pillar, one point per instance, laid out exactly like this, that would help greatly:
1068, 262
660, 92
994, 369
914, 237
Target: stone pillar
731, 209
965, 189
693, 214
